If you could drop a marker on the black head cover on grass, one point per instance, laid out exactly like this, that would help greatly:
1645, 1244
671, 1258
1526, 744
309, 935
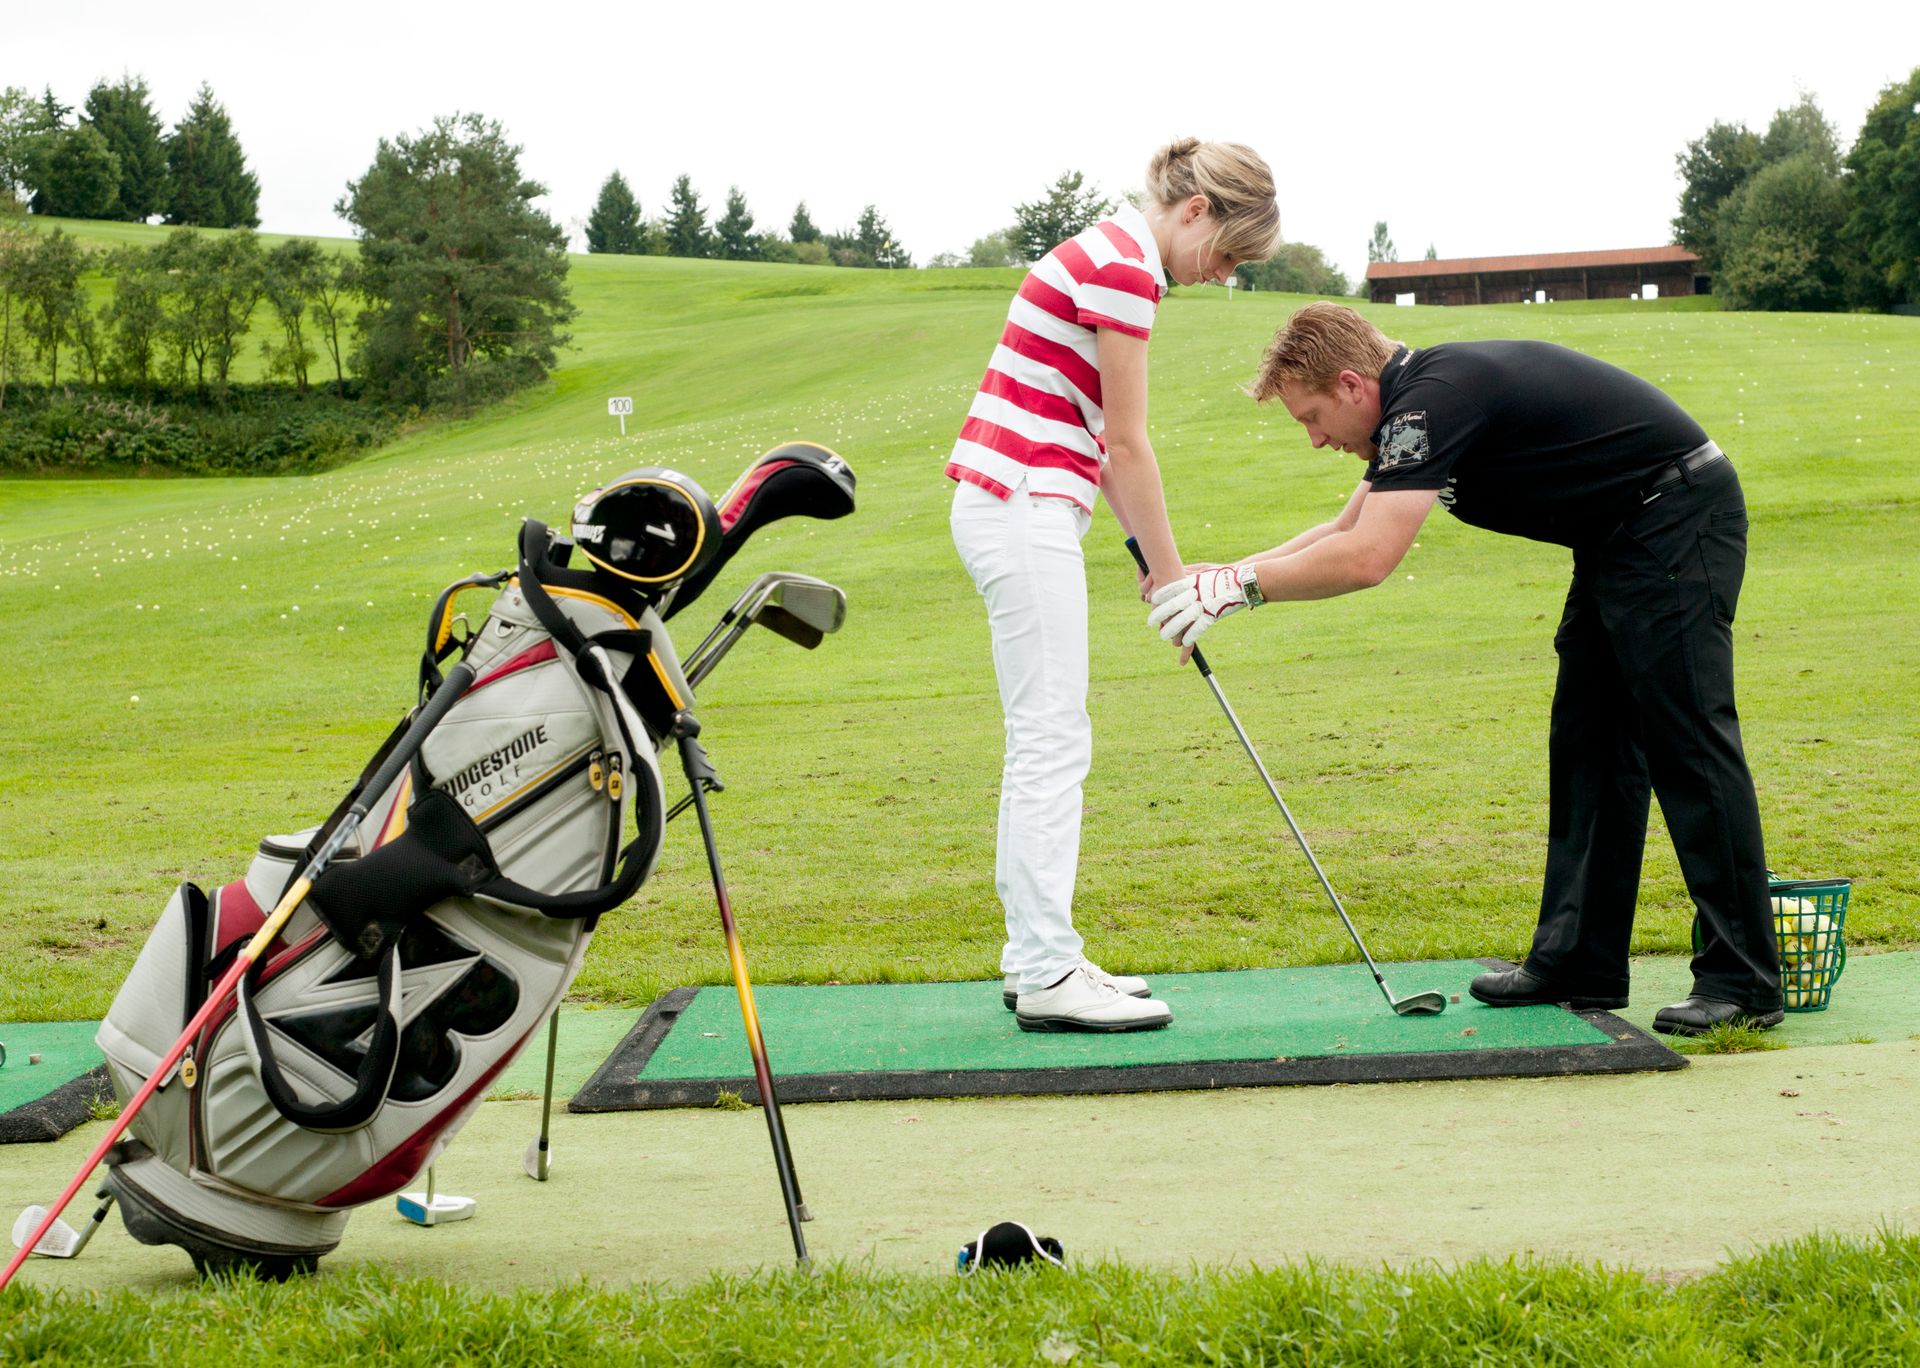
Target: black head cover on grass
797, 480
1008, 1245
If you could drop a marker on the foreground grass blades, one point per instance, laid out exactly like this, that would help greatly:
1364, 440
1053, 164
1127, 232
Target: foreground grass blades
1814, 1300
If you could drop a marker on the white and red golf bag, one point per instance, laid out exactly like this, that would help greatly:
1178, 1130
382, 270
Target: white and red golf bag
428, 952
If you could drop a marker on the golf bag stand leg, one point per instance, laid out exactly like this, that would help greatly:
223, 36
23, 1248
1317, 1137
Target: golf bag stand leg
701, 776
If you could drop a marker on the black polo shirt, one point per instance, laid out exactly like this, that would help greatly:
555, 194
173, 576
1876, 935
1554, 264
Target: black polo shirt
1525, 438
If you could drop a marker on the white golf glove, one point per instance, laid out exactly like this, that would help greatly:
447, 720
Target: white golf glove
1191, 604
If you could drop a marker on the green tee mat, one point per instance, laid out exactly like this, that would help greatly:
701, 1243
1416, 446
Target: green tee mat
1324, 1024
46, 1100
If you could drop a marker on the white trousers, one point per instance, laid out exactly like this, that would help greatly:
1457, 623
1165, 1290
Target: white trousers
1024, 556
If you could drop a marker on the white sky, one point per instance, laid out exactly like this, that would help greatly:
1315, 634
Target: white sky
1483, 129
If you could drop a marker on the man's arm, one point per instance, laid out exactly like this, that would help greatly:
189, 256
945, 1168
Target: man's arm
1344, 522
1131, 481
1341, 560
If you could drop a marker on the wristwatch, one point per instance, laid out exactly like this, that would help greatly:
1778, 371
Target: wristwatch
1250, 585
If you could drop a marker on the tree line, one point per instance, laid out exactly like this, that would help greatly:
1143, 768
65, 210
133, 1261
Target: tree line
617, 225
117, 161
1784, 220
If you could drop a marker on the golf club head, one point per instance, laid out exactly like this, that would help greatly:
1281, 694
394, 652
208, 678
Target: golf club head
802, 609
422, 1210
799, 479
61, 1241
1421, 1004
538, 1160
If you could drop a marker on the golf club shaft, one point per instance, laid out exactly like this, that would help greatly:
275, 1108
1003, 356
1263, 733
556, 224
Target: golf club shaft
749, 1015
449, 692
546, 1096
1200, 663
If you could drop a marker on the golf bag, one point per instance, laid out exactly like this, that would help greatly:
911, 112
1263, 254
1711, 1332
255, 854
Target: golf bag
429, 951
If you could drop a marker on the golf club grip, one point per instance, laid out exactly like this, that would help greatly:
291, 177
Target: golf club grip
1133, 545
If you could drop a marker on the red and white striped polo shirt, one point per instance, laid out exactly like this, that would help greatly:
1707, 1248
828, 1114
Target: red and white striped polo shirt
1037, 419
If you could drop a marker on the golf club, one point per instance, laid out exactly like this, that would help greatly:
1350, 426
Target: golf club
457, 681
428, 1209
798, 607
61, 1241
1428, 1003
693, 758
538, 1160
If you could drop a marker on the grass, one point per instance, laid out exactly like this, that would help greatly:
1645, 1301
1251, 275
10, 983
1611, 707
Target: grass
1811, 1300
1730, 1038
268, 629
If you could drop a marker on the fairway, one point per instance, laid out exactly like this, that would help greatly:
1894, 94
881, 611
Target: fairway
204, 662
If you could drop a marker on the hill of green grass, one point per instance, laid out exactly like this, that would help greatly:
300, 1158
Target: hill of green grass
197, 663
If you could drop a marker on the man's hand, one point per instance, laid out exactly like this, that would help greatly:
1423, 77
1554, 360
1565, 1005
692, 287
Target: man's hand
1186, 608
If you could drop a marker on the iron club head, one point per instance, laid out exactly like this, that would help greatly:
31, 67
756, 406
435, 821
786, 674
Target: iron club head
537, 1162
1420, 1004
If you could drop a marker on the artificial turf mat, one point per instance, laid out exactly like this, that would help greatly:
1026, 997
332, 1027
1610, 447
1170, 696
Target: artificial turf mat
46, 1100
1325, 1024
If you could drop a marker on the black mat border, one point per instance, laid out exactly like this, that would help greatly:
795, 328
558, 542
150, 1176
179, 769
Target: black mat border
615, 1086
51, 1116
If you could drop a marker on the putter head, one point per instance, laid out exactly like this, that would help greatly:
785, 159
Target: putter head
1421, 1004
439, 1209
61, 1241
538, 1160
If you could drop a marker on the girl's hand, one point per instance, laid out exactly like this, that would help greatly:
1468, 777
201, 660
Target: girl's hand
1147, 585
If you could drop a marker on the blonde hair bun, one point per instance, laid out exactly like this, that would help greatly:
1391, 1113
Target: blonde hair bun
1237, 185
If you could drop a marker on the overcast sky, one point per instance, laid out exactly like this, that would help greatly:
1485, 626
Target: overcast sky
1481, 129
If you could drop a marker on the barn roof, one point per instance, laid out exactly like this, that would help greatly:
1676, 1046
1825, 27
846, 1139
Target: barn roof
1546, 261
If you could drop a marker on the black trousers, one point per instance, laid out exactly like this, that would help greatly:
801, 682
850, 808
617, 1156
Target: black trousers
1645, 699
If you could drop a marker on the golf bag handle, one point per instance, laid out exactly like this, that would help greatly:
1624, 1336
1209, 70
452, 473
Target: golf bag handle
371, 1081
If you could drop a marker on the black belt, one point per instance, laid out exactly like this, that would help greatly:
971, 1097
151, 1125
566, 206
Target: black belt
1682, 470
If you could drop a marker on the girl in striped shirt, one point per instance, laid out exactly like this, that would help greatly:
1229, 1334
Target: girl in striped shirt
1060, 417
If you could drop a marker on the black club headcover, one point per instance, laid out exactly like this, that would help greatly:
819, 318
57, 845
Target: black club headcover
1008, 1245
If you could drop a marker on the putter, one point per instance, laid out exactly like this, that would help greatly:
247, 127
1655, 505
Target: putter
538, 1160
61, 1241
1430, 1003
798, 607
424, 721
425, 1209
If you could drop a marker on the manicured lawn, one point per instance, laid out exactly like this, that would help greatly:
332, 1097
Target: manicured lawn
269, 630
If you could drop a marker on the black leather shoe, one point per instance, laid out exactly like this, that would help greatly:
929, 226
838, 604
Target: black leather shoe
1698, 1015
1518, 988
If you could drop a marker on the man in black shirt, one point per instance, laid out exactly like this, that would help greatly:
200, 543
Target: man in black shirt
1537, 441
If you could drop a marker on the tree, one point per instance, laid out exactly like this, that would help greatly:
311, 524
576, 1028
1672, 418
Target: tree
1381, 248
291, 275
76, 175
22, 121
1883, 182
337, 282
686, 229
1801, 130
179, 261
211, 184
1779, 237
868, 243
995, 249
733, 235
52, 302
124, 115
1432, 255
1295, 269
614, 225
463, 278
1714, 165
1064, 209
135, 318
16, 244
802, 228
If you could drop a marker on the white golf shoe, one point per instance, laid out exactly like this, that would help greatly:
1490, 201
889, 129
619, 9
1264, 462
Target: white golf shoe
1130, 984
1087, 1000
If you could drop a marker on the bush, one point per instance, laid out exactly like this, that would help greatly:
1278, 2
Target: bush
265, 430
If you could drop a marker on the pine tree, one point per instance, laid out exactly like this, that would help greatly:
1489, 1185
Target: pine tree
686, 220
614, 225
733, 235
1381, 248
1065, 208
802, 229
211, 184
124, 115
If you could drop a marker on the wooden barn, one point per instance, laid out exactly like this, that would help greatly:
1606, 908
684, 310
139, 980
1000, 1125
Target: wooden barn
1618, 274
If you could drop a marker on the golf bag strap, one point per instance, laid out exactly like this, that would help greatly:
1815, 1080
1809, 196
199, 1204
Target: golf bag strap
367, 903
371, 1079
440, 638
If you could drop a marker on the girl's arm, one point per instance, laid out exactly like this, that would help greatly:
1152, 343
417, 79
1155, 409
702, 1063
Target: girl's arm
1132, 478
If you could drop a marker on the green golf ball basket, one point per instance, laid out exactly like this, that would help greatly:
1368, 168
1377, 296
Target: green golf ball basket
1809, 917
